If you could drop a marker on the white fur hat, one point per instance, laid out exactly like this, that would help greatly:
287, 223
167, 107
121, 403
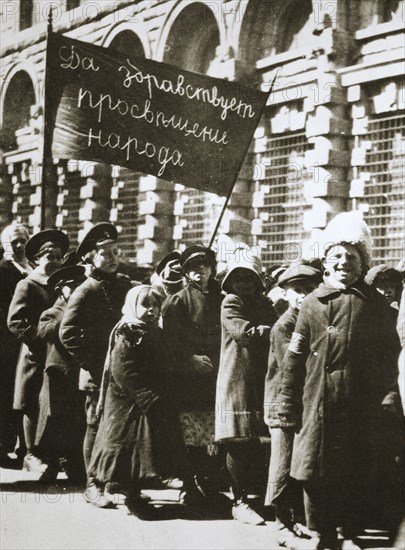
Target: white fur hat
350, 228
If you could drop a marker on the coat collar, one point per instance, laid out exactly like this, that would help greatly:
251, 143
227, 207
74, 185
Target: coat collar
325, 291
39, 278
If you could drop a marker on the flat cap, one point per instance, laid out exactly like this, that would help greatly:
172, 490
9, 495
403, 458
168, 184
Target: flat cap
72, 273
195, 251
44, 239
383, 271
175, 255
299, 272
99, 234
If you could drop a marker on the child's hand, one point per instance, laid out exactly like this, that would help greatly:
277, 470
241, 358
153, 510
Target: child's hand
263, 330
202, 364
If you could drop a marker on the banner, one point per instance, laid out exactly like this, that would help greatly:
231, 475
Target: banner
152, 117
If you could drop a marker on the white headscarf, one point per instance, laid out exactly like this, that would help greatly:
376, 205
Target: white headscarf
133, 299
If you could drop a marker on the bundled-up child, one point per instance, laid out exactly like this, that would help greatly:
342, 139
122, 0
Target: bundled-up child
137, 440
283, 492
246, 318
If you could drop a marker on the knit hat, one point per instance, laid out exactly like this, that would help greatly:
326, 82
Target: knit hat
243, 259
349, 228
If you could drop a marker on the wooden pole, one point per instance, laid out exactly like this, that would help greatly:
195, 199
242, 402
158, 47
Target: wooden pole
228, 197
47, 162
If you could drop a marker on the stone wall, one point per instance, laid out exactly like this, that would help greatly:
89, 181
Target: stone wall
338, 66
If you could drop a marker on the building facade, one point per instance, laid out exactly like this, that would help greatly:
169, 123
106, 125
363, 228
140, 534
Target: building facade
331, 138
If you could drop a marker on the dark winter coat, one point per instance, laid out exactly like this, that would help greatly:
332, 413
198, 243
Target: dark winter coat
191, 326
279, 340
32, 296
137, 438
244, 354
9, 344
93, 310
61, 419
340, 367
57, 357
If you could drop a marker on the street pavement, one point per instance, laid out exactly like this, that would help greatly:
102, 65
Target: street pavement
35, 516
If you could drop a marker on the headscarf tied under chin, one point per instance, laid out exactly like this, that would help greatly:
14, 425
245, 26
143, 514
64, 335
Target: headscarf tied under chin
133, 300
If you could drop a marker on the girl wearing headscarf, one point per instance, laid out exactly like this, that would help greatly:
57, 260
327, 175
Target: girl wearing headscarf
137, 440
339, 389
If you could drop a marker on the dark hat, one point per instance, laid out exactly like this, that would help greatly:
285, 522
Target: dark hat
383, 271
43, 240
175, 255
99, 234
299, 272
72, 273
195, 251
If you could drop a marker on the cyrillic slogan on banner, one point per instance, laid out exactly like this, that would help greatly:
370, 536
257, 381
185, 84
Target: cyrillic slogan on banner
149, 116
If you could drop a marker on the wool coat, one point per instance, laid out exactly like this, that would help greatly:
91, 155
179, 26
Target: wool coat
61, 420
32, 296
339, 371
138, 437
9, 351
191, 326
242, 370
280, 337
92, 312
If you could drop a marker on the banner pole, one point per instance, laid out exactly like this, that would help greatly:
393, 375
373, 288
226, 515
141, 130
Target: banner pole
47, 139
228, 197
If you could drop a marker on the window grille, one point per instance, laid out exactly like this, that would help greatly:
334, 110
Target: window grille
384, 191
127, 218
22, 191
200, 213
69, 184
281, 212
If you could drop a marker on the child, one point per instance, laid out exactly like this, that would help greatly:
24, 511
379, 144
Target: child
285, 495
136, 440
246, 318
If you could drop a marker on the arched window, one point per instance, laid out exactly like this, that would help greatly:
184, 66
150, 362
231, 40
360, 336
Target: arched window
18, 99
274, 26
193, 39
191, 45
128, 43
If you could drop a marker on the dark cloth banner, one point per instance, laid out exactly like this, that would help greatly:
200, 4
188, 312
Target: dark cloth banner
152, 117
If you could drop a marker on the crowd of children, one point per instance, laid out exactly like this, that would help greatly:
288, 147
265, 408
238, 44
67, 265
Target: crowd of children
183, 380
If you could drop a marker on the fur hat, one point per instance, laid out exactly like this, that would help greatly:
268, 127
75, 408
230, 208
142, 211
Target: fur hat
349, 228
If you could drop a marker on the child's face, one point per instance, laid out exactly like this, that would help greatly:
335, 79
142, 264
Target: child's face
297, 290
243, 282
148, 310
388, 289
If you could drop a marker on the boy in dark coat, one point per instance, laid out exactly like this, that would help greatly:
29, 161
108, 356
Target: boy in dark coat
32, 296
191, 326
61, 421
340, 389
93, 310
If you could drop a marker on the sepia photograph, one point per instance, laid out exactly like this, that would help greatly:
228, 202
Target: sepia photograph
202, 270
